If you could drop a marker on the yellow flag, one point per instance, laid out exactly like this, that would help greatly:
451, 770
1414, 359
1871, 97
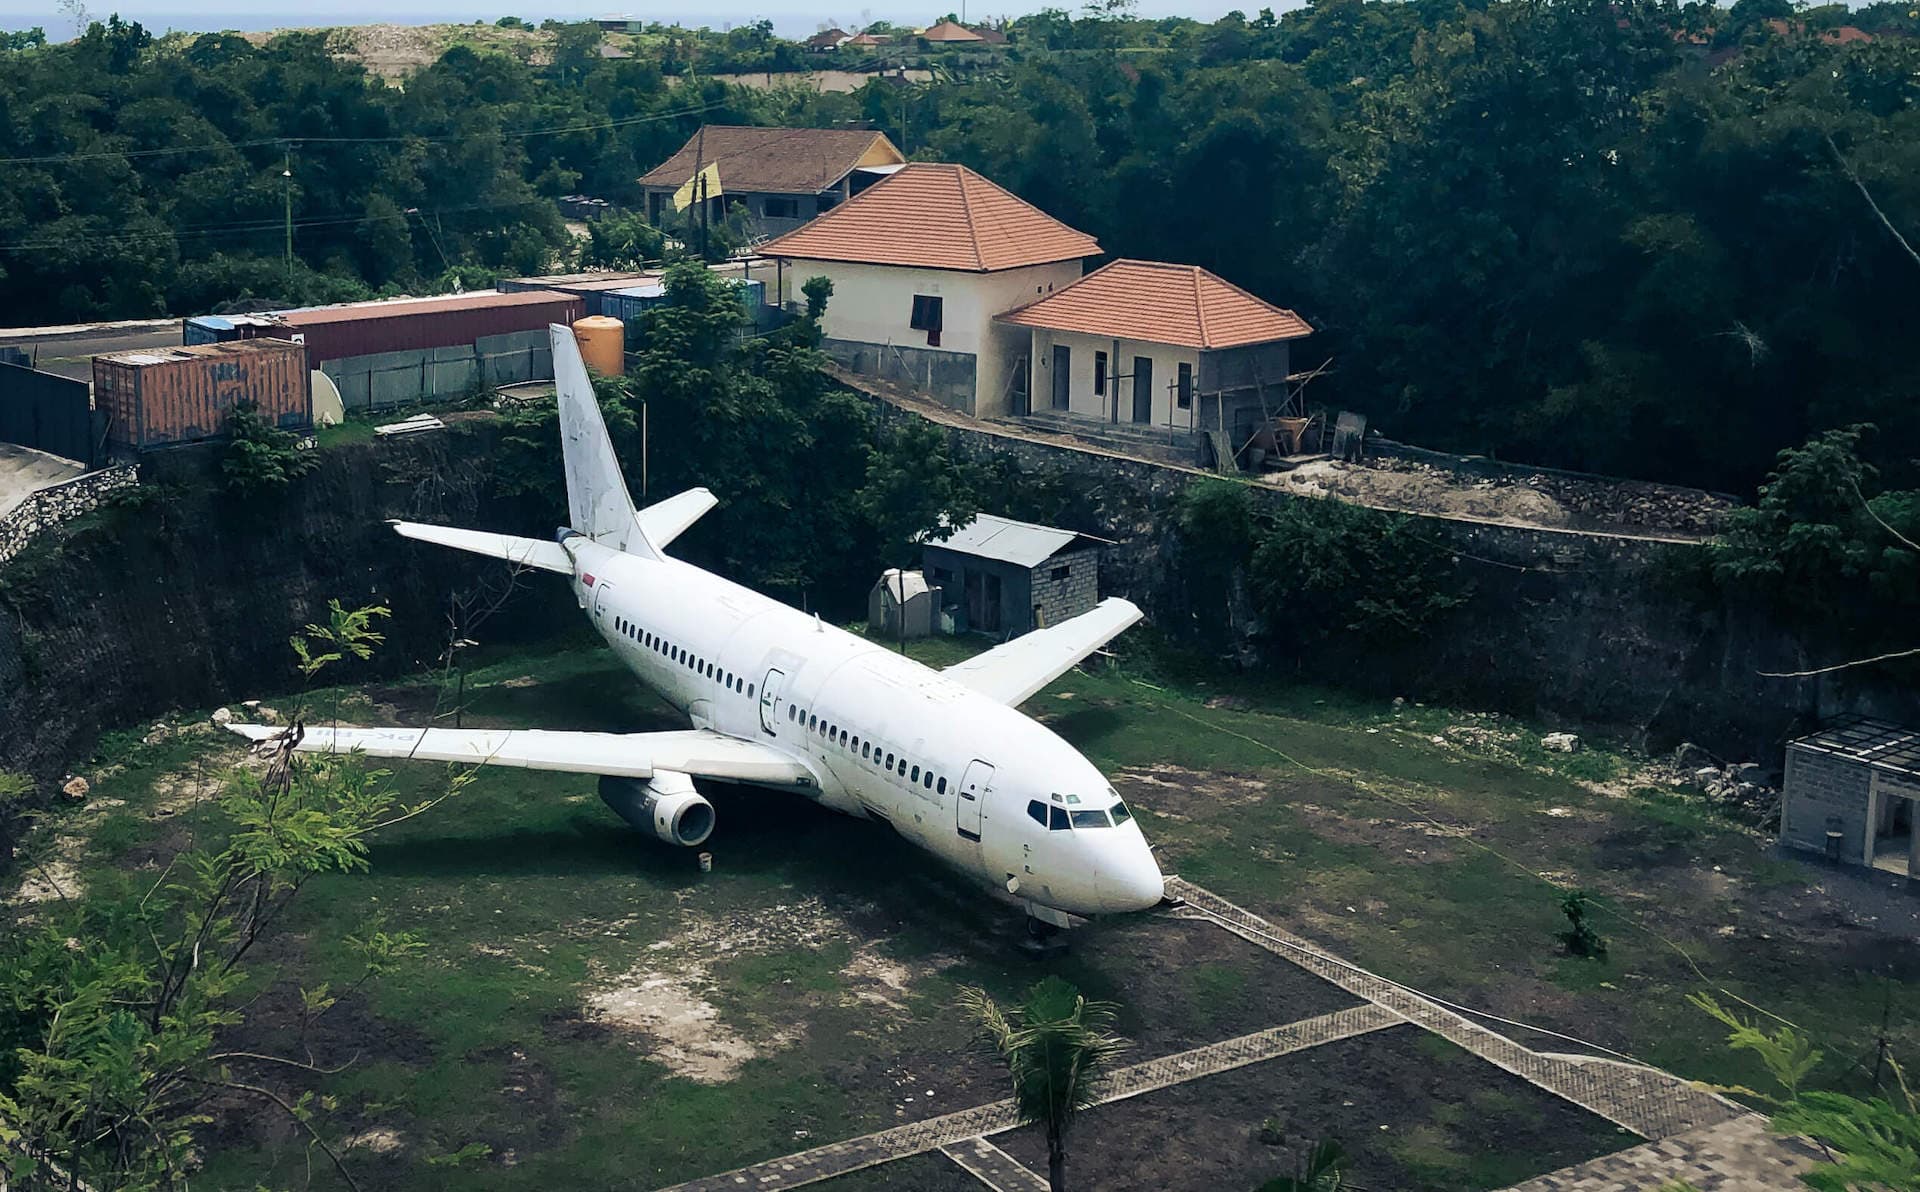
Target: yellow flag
690, 192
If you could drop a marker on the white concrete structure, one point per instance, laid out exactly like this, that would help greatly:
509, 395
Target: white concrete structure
921, 264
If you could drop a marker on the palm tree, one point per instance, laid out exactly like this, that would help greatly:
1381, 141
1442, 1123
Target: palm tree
1056, 1044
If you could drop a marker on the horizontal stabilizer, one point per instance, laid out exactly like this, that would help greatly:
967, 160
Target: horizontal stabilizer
699, 752
663, 521
525, 552
1012, 672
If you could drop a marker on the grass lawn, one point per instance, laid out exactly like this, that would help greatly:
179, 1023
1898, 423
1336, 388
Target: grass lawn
599, 1014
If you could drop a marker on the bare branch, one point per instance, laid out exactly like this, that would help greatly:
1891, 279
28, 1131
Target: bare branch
1868, 196
294, 1114
1905, 541
1839, 666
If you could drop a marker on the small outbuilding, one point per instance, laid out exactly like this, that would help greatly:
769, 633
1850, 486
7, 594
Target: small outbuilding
1007, 577
900, 605
1852, 793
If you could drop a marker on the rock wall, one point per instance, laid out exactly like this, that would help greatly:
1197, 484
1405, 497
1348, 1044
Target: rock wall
57, 504
1591, 630
186, 597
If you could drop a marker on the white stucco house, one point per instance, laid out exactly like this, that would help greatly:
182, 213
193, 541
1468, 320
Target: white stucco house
921, 263
1156, 344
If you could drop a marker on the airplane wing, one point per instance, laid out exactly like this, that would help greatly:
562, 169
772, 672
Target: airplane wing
1012, 672
699, 752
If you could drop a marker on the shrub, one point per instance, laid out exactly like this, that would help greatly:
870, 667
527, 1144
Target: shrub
261, 458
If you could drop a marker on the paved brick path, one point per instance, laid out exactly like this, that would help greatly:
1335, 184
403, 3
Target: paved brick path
993, 1166
839, 1158
1735, 1156
1647, 1101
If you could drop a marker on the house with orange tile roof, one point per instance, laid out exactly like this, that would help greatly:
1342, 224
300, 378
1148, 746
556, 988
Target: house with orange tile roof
921, 262
1151, 344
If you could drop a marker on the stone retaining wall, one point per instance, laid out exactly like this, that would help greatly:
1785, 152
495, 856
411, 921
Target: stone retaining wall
58, 503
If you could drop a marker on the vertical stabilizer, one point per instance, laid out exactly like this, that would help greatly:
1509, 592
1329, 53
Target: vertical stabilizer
597, 501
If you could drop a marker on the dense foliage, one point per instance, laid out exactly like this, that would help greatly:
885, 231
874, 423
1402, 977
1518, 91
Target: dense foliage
1645, 238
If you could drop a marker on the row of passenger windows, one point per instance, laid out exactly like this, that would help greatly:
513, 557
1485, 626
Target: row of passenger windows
1059, 819
679, 656
868, 751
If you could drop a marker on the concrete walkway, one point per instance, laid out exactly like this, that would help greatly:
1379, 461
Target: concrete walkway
993, 1167
1735, 1156
23, 470
1647, 1101
839, 1158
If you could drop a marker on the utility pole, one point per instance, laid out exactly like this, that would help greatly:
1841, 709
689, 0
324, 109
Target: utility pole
286, 178
700, 184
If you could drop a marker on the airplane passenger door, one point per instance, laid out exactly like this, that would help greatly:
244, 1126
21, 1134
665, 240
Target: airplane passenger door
975, 784
600, 591
771, 689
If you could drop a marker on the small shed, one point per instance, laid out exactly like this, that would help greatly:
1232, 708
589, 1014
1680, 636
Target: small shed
899, 589
1001, 576
1852, 792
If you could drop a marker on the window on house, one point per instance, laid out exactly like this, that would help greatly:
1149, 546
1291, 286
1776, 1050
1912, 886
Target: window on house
929, 316
783, 208
1185, 391
1099, 374
1059, 573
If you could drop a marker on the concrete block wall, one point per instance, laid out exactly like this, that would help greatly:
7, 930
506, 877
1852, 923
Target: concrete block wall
1068, 595
947, 377
1819, 786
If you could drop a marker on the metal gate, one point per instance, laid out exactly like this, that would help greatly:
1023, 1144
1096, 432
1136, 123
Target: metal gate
47, 412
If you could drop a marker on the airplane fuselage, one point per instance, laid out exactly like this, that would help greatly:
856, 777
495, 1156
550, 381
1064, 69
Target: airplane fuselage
990, 791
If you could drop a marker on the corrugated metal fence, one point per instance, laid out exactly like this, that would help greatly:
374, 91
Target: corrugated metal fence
47, 412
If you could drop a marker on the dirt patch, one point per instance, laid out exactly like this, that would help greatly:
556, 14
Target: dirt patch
1180, 792
1412, 840
684, 1028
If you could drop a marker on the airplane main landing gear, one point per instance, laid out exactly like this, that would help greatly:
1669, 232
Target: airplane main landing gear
1043, 938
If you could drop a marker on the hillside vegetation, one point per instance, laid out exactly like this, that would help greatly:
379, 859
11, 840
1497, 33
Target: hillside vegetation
1642, 238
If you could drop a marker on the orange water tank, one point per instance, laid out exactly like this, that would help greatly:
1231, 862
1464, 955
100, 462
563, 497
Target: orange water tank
603, 344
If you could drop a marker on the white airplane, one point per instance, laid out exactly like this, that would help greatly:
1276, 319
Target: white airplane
779, 699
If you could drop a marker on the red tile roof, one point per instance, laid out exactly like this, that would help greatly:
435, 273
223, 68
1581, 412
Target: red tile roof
1162, 304
931, 215
950, 31
801, 161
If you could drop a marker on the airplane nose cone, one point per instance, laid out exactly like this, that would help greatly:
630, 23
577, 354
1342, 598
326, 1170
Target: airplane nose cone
1134, 884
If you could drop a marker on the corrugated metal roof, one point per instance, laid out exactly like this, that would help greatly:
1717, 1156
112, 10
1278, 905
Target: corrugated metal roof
1001, 538
1163, 304
237, 347
932, 215
1880, 744
319, 315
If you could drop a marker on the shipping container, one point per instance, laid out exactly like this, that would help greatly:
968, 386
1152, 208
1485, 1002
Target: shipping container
365, 329
220, 329
183, 395
629, 304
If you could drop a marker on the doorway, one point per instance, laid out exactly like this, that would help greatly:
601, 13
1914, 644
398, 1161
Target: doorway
1143, 389
1062, 376
975, 784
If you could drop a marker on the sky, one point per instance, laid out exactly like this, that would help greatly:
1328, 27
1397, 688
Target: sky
789, 17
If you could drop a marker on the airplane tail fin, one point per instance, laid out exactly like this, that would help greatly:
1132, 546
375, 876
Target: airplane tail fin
598, 504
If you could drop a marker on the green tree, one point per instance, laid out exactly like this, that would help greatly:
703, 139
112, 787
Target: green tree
121, 1007
261, 458
1055, 1045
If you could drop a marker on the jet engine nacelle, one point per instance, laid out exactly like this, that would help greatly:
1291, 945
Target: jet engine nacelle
665, 805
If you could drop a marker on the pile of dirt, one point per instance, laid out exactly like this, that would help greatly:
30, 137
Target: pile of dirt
1435, 484
395, 51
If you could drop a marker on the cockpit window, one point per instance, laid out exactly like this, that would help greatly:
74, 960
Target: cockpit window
1090, 819
1120, 813
1057, 817
1038, 811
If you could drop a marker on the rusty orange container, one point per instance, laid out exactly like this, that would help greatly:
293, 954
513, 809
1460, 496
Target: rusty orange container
183, 395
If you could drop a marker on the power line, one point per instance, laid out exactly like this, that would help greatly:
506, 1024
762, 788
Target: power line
409, 138
1458, 833
190, 231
